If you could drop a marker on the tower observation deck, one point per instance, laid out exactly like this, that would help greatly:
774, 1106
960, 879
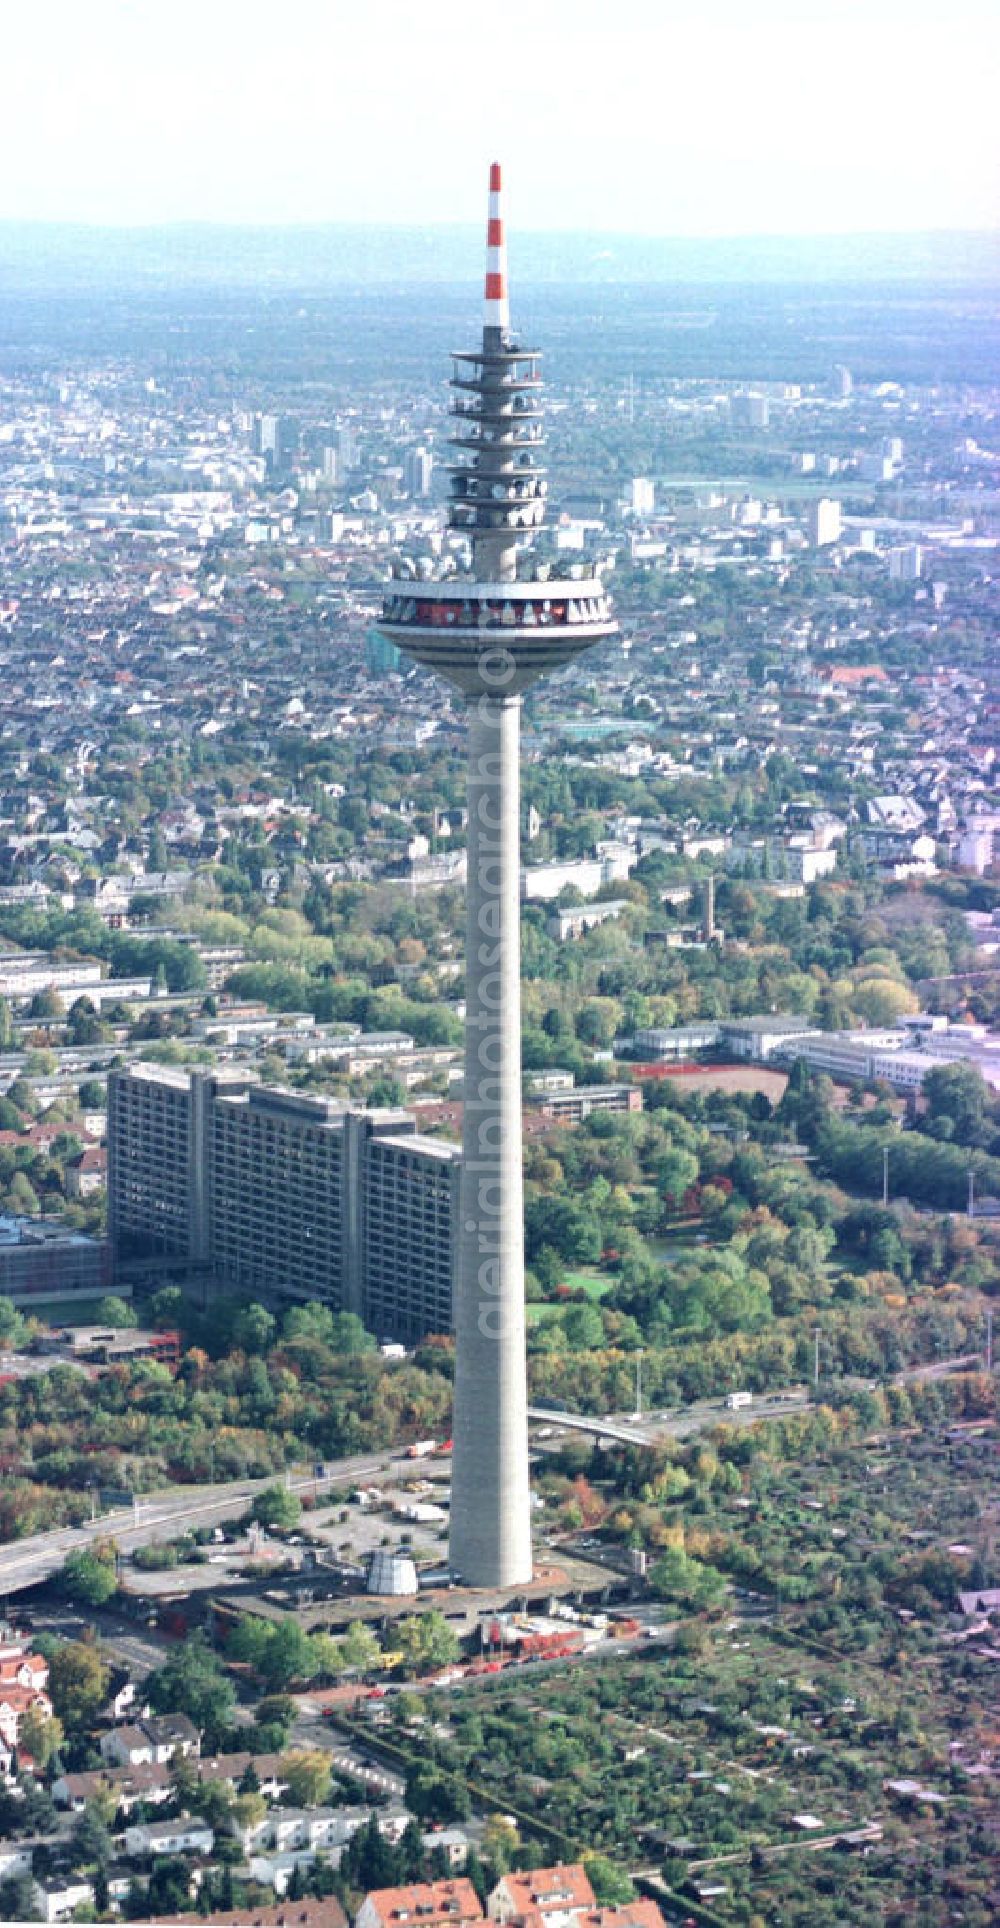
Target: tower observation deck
492, 633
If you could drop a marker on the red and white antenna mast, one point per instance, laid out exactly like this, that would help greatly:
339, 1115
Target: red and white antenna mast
496, 308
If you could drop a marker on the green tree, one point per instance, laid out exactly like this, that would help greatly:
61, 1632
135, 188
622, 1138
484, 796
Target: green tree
436, 1797
566, 1225
191, 1681
166, 1308
277, 1507
115, 1312
276, 1707
501, 1842
47, 1004
370, 1861
676, 1172
91, 1845
23, 1197
611, 1884
350, 1335
247, 1811
254, 1329
18, 1900
84, 1025
249, 1641
425, 1641
307, 1771
78, 1684
169, 1891
957, 1092
89, 1577
12, 1326
359, 1648
41, 1736
676, 1576
288, 1654
584, 1328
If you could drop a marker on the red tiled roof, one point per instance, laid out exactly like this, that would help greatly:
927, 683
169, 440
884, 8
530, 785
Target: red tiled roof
327, 1913
428, 1901
631, 1914
540, 1891
19, 1698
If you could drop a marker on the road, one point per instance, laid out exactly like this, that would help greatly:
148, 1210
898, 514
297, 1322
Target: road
29, 1561
677, 1423
683, 1421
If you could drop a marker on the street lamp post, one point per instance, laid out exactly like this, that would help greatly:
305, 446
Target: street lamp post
638, 1382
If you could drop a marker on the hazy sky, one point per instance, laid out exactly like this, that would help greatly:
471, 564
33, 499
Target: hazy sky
652, 116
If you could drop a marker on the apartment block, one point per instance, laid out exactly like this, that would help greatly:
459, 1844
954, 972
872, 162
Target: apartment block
280, 1196
575, 1106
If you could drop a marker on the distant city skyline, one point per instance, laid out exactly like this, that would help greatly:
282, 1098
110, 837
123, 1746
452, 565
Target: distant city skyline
713, 120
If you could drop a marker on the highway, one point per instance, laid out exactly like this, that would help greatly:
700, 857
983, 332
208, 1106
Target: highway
677, 1423
26, 1562
682, 1422
630, 1432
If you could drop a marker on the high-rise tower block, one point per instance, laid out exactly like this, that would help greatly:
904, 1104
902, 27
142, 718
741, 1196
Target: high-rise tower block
491, 634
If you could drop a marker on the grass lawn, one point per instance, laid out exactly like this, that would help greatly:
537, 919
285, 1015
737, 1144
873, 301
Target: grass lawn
69, 1312
589, 1280
594, 1283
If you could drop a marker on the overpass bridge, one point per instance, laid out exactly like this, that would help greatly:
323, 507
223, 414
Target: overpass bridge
624, 1434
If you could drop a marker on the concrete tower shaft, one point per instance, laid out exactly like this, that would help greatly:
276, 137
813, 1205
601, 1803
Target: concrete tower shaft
490, 1540
491, 634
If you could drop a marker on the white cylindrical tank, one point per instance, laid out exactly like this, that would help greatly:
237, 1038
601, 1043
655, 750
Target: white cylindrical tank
391, 1573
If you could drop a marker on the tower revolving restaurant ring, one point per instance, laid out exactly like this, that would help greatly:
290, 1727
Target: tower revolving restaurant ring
495, 639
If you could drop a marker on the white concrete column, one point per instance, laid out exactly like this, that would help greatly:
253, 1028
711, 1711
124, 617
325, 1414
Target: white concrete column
490, 1501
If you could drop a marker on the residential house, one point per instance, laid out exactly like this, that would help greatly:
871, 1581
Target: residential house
542, 1897
152, 1783
15, 1859
58, 1896
631, 1914
20, 1667
158, 1740
88, 1173
187, 1834
147, 1785
121, 1695
15, 1702
453, 1843
422, 1904
312, 1913
276, 1870
983, 1600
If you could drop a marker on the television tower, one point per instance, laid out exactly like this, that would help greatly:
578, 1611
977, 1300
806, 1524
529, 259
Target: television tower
491, 633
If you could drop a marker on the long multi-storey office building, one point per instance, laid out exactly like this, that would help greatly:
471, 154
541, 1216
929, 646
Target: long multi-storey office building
279, 1196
